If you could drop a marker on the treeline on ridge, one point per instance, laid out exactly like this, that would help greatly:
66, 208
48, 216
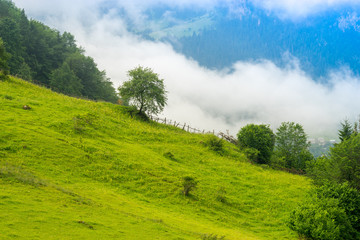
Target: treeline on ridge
45, 56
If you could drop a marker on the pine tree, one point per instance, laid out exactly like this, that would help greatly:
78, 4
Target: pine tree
346, 130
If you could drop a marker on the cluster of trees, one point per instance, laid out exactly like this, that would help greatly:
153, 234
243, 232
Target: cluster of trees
43, 55
332, 211
342, 164
288, 148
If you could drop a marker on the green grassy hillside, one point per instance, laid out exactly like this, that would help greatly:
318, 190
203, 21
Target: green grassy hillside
77, 169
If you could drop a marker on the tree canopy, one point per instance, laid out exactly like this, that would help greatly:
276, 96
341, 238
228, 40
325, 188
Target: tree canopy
64, 80
4, 69
259, 137
145, 90
346, 130
292, 145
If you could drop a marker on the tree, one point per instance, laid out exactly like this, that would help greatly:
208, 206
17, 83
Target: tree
292, 145
259, 137
4, 69
65, 81
95, 83
346, 130
144, 90
24, 72
346, 157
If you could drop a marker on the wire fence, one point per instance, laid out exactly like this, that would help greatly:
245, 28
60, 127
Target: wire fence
186, 127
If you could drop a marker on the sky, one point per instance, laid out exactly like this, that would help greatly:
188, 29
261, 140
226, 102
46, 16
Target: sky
254, 92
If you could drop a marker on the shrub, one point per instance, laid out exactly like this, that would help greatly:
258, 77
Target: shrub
189, 184
252, 154
221, 195
214, 143
169, 155
321, 220
212, 237
332, 213
349, 200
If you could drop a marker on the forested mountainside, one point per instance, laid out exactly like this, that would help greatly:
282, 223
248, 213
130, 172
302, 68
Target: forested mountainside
217, 39
46, 56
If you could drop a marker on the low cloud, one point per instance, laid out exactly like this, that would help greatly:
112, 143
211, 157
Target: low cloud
253, 92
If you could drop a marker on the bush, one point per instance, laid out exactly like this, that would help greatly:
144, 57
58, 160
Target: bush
332, 213
170, 156
214, 143
321, 220
221, 195
189, 184
259, 137
252, 154
212, 237
349, 200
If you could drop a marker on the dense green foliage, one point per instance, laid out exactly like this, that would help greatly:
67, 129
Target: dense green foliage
64, 80
292, 145
87, 170
38, 53
259, 137
144, 90
4, 68
342, 164
331, 213
346, 157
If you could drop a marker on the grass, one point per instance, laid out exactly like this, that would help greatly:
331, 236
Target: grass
87, 170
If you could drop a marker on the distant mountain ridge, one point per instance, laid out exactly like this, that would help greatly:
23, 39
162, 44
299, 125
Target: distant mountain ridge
217, 39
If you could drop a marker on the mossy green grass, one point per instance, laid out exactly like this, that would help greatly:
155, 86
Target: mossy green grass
77, 169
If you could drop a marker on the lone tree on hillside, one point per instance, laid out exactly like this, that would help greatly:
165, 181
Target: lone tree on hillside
259, 138
144, 90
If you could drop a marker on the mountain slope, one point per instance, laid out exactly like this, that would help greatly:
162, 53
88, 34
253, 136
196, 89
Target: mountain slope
77, 169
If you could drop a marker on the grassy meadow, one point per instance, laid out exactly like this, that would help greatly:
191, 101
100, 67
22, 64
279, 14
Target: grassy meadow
78, 169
